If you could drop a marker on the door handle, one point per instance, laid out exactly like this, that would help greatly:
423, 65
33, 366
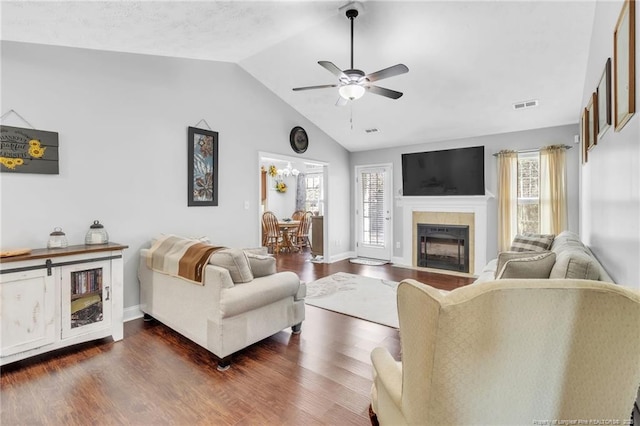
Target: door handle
108, 293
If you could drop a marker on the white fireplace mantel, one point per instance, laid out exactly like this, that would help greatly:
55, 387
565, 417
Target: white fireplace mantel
477, 205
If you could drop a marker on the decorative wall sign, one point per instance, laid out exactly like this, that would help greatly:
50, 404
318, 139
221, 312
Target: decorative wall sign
624, 60
604, 100
203, 167
25, 150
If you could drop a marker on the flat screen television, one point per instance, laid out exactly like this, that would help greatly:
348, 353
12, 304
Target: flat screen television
447, 172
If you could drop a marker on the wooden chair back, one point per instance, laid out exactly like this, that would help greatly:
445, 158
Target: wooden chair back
302, 234
297, 215
270, 231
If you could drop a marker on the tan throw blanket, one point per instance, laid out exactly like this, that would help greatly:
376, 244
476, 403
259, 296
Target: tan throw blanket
180, 257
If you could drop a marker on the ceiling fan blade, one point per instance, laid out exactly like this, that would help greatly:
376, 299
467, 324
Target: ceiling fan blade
342, 101
388, 72
384, 92
324, 86
333, 69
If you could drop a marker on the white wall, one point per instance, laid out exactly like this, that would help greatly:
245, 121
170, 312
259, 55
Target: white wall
610, 181
283, 204
493, 143
122, 121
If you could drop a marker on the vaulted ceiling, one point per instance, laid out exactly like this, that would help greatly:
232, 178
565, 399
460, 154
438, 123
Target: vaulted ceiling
469, 61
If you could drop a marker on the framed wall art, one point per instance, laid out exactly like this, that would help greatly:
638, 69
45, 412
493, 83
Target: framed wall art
203, 167
584, 135
592, 122
624, 59
604, 100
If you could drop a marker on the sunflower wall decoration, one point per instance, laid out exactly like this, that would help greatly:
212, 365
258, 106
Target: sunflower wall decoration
25, 150
281, 186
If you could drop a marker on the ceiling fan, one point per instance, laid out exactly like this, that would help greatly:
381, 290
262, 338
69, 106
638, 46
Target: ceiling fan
353, 83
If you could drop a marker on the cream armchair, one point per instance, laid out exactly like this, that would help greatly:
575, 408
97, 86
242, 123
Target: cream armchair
511, 352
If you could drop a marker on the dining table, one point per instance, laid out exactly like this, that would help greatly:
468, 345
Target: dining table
285, 227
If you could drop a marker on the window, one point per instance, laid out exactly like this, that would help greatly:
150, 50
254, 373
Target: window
532, 193
528, 192
314, 200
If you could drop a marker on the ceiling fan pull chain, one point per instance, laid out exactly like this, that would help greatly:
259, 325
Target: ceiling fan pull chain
351, 112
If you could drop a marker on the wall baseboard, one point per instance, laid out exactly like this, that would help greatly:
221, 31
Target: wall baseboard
132, 312
398, 261
342, 256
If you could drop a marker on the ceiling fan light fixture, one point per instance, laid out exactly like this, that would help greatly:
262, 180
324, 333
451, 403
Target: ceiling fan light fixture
352, 83
351, 91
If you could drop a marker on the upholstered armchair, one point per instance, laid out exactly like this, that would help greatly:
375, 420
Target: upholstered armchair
511, 352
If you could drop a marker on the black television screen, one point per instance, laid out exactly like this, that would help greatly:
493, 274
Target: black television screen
448, 172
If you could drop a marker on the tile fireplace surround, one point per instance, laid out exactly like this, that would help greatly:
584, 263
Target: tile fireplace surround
470, 211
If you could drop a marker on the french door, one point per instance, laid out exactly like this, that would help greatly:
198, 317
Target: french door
373, 211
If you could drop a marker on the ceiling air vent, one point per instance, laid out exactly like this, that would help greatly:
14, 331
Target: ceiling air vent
373, 130
525, 104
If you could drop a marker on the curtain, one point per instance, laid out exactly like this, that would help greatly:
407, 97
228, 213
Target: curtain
507, 198
301, 192
553, 190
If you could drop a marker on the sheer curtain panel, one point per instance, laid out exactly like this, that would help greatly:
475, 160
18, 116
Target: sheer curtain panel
507, 198
301, 192
553, 190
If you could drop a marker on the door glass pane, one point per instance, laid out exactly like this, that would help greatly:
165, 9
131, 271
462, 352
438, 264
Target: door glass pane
372, 208
86, 297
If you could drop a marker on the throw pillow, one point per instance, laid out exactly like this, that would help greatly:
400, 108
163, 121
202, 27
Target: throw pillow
263, 251
234, 260
577, 265
532, 242
505, 256
261, 265
538, 266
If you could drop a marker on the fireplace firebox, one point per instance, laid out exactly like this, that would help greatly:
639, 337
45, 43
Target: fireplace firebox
443, 247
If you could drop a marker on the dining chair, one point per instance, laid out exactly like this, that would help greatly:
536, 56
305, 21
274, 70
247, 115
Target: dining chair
270, 232
297, 215
301, 236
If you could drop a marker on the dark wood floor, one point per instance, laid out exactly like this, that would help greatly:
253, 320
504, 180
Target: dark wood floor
155, 376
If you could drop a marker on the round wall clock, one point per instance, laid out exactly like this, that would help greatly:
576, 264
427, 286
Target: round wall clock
299, 139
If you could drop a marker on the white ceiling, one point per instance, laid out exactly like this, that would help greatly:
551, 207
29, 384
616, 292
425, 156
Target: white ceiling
469, 61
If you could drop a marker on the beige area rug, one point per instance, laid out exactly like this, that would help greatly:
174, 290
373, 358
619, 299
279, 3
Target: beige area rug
370, 299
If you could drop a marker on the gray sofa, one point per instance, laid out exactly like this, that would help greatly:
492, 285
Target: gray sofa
234, 307
569, 258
